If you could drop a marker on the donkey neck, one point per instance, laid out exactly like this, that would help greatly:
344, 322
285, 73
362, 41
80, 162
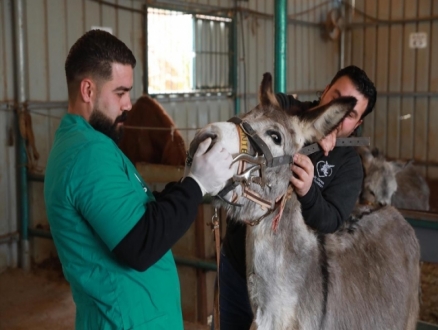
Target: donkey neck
292, 233
281, 257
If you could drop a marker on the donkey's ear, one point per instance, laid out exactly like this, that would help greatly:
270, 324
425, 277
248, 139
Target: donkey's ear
266, 95
366, 156
320, 121
398, 166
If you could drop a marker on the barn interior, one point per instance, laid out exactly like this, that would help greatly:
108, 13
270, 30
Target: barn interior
202, 61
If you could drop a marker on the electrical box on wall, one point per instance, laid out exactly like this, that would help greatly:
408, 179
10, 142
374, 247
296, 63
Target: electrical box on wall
418, 40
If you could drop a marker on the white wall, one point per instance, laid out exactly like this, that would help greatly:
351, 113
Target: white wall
8, 200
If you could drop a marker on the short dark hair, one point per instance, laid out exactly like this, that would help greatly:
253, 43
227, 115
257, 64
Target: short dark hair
362, 83
93, 54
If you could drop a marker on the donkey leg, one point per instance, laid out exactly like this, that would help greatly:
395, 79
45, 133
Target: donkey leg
414, 308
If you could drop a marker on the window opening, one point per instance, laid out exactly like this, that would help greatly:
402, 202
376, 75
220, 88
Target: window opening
188, 53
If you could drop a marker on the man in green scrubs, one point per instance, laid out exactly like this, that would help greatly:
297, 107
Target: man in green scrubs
112, 234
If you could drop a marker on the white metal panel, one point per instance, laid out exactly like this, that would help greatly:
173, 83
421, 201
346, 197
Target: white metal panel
6, 52
8, 192
53, 26
36, 48
74, 24
8, 196
56, 49
423, 66
375, 124
313, 59
137, 41
370, 61
402, 125
433, 105
191, 114
405, 140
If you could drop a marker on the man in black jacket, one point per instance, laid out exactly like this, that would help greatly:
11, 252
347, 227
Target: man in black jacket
327, 183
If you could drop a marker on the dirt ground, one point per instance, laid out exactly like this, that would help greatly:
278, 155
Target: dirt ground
41, 299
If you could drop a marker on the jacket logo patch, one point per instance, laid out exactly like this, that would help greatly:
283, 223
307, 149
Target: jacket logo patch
324, 169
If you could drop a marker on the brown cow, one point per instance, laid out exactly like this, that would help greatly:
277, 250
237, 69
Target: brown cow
151, 145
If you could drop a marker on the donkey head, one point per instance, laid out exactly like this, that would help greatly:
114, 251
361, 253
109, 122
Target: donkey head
263, 142
380, 182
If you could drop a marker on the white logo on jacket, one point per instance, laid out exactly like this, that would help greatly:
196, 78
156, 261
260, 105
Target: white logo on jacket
324, 169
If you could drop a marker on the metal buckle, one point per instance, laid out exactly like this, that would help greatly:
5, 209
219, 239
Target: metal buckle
260, 164
245, 129
256, 160
245, 177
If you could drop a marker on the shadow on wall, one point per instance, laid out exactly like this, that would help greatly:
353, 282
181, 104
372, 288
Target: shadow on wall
151, 136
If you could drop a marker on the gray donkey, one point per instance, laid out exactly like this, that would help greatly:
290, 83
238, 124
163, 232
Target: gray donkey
365, 276
392, 182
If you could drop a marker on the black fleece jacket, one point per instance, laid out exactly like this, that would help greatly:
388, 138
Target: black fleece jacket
336, 186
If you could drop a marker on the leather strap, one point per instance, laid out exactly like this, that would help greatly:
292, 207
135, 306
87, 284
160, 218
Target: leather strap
216, 229
340, 142
256, 198
259, 145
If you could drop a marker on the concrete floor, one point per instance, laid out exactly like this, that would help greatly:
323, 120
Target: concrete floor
40, 300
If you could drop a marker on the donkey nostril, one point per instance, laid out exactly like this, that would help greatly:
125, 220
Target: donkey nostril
199, 137
214, 139
207, 135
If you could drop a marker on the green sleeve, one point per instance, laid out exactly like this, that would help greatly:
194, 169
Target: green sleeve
104, 192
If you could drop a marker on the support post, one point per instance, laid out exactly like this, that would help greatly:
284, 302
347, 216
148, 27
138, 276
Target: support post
201, 307
234, 60
145, 51
20, 97
280, 46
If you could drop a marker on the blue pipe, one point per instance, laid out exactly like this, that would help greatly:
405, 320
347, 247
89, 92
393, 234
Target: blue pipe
196, 263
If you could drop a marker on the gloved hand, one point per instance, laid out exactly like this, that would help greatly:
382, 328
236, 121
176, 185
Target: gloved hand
211, 169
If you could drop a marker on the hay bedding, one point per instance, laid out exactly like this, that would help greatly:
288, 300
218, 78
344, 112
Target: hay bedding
429, 293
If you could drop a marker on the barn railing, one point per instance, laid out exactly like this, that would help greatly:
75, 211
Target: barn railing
426, 221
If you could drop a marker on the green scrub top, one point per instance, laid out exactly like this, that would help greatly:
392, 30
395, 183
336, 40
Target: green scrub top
94, 196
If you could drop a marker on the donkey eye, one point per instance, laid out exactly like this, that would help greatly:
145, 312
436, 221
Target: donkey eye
275, 136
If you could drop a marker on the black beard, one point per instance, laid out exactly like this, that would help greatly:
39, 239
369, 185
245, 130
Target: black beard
100, 122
